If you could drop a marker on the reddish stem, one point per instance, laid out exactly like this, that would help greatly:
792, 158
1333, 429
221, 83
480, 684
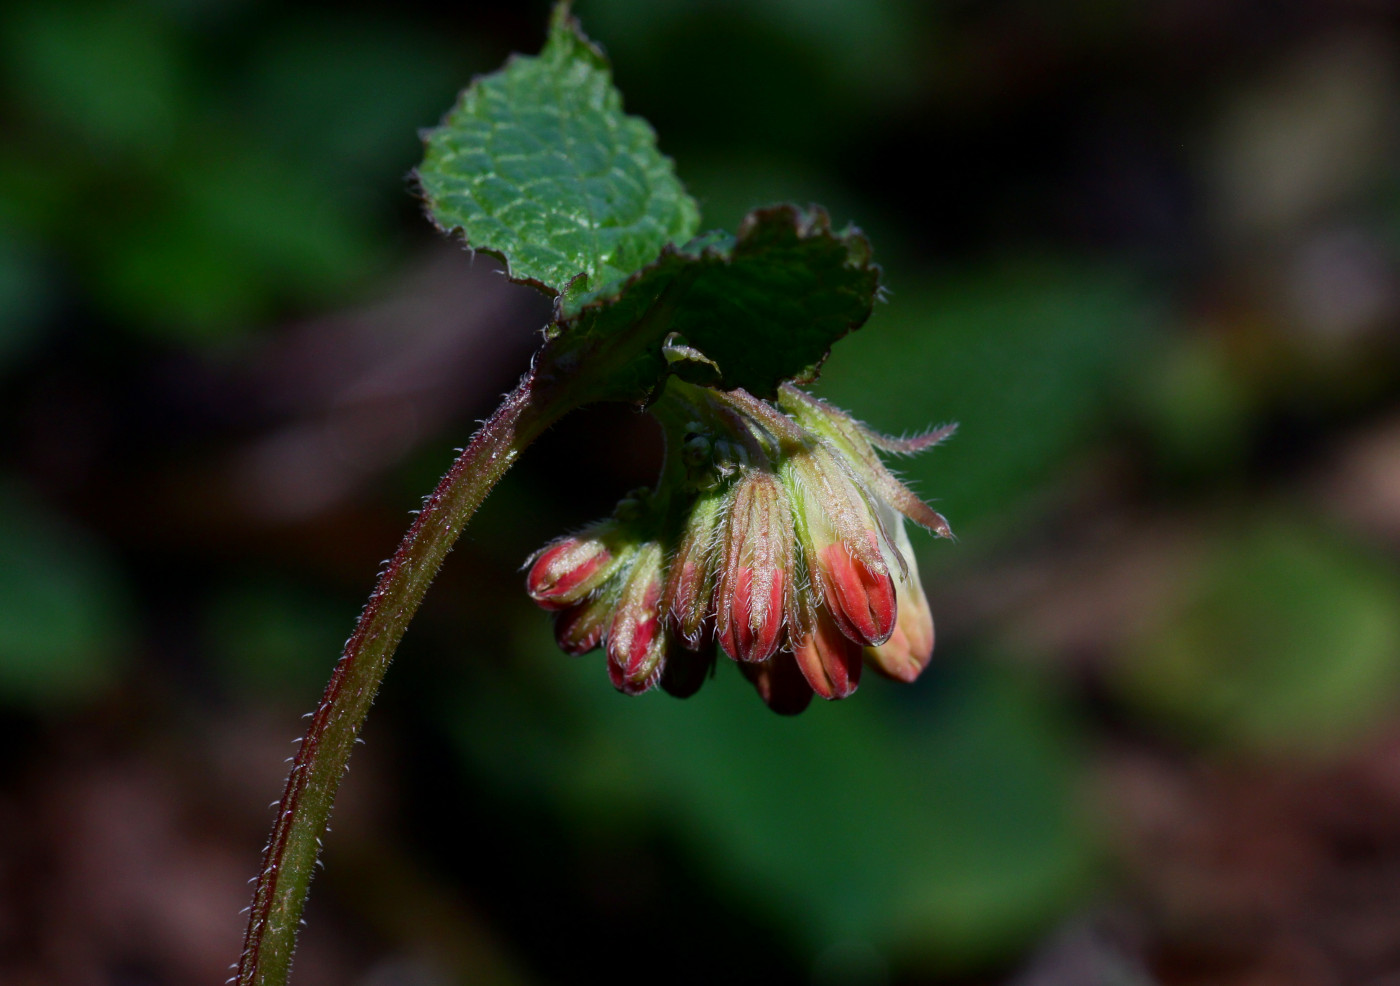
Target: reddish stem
302, 813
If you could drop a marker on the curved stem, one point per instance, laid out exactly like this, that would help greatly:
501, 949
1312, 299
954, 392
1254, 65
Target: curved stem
290, 856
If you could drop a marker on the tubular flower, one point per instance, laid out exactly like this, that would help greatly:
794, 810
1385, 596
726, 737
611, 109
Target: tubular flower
775, 534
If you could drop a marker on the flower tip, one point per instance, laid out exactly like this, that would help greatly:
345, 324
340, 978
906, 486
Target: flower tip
860, 596
567, 570
580, 628
828, 659
753, 623
900, 667
630, 685
910, 648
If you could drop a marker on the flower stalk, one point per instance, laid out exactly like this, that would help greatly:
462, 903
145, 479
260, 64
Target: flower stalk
304, 808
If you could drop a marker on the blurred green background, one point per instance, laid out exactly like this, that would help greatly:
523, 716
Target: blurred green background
1146, 255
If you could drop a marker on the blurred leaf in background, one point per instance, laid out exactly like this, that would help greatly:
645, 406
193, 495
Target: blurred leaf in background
23, 298
941, 838
64, 614
1286, 639
271, 639
1025, 356
202, 178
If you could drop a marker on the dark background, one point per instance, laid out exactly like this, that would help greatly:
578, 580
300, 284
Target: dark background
1146, 254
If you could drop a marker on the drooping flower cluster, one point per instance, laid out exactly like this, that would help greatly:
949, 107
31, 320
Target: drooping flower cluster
776, 534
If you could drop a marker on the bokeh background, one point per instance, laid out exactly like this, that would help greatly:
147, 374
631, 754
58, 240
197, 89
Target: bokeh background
1146, 254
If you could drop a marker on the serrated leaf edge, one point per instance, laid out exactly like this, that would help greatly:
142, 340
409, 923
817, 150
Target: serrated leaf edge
561, 20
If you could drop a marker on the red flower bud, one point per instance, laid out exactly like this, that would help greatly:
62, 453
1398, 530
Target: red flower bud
841, 539
860, 597
828, 658
636, 639
566, 570
755, 579
690, 576
580, 628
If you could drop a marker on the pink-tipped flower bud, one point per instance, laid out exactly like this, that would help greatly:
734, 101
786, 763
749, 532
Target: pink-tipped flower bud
756, 569
829, 660
842, 538
580, 628
861, 597
564, 571
905, 655
778, 535
636, 639
690, 579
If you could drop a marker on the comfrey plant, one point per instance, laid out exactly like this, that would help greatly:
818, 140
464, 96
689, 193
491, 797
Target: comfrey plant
774, 533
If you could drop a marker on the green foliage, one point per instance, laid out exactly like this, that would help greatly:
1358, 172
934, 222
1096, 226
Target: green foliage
1021, 354
22, 298
108, 75
944, 838
62, 615
539, 166
232, 178
765, 306
1289, 639
272, 638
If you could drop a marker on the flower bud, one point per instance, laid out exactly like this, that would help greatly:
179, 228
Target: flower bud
829, 660
635, 638
685, 670
842, 538
690, 574
779, 683
777, 534
580, 628
756, 569
564, 571
910, 647
861, 598
858, 443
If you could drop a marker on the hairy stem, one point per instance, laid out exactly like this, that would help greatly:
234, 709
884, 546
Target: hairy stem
290, 856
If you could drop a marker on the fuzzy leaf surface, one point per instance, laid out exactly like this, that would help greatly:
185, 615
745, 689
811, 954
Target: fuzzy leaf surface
764, 305
538, 165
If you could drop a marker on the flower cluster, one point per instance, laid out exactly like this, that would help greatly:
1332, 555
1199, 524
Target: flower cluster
776, 534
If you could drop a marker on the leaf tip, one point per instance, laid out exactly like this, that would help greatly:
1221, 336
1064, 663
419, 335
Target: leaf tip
566, 37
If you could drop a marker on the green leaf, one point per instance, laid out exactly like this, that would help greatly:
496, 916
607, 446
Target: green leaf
765, 306
538, 165
63, 615
947, 837
1285, 638
1026, 354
